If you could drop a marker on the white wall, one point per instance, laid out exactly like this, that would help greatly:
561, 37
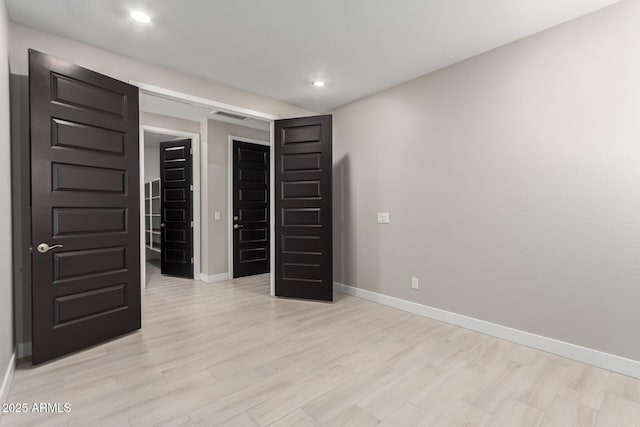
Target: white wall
126, 68
151, 162
7, 343
513, 183
167, 122
151, 172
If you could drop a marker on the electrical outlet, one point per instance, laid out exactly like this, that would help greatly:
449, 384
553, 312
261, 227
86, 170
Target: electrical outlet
383, 218
414, 283
216, 216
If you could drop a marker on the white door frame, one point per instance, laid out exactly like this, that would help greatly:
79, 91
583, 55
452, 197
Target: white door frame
230, 199
220, 106
195, 145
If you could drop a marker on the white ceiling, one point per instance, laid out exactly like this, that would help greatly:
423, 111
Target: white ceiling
278, 47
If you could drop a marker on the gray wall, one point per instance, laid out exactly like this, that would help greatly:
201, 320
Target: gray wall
7, 343
513, 184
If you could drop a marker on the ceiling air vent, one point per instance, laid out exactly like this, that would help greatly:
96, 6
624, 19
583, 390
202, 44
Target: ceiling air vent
229, 115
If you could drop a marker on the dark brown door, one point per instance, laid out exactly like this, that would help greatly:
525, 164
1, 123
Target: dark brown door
250, 209
176, 209
304, 263
85, 207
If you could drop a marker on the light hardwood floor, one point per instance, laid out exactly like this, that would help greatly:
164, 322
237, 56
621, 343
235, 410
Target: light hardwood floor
228, 354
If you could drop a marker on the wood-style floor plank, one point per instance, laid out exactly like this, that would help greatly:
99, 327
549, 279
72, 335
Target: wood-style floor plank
228, 354
516, 413
569, 412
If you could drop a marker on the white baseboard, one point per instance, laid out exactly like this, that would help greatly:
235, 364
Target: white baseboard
7, 379
582, 354
214, 277
24, 349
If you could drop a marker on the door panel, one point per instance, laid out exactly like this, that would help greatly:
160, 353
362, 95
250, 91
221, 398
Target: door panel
176, 208
304, 260
84, 137
85, 197
250, 209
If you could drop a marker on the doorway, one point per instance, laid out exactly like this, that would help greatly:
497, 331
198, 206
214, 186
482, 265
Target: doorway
155, 245
300, 178
249, 213
215, 226
214, 127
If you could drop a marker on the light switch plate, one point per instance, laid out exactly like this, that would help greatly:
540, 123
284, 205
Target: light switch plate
414, 283
383, 218
216, 216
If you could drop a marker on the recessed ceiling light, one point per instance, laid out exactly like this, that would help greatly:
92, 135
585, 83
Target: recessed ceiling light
319, 83
140, 16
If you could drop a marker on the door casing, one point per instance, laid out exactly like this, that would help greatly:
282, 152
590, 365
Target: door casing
230, 198
176, 196
220, 106
195, 145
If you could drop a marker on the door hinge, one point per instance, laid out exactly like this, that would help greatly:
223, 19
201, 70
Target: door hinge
191, 260
191, 151
191, 187
191, 224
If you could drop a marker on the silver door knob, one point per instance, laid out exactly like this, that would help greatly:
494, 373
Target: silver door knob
43, 248
235, 218
162, 225
236, 226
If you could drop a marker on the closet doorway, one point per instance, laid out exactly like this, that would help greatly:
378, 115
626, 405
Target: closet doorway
171, 229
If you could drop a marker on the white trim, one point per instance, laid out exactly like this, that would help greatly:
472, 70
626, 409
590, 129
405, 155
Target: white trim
582, 354
143, 251
197, 229
230, 193
23, 350
204, 194
215, 277
7, 379
215, 105
272, 209
249, 140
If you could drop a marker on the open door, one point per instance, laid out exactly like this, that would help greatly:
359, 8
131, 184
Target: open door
250, 209
304, 259
85, 207
176, 208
